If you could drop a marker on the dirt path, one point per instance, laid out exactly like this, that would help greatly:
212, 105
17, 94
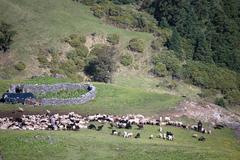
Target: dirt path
210, 113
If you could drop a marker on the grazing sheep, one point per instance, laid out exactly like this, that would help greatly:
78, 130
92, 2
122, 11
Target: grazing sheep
119, 133
160, 135
170, 137
209, 132
48, 112
140, 125
164, 136
137, 135
160, 119
129, 135
202, 139
194, 127
128, 126
160, 129
194, 135
125, 134
92, 126
218, 126
99, 128
151, 136
20, 109
111, 125
113, 131
167, 119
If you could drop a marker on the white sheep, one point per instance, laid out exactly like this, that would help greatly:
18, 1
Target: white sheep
160, 135
164, 136
209, 132
194, 135
151, 136
160, 129
170, 137
129, 135
167, 119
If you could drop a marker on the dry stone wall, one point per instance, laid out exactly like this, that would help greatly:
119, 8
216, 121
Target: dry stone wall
44, 88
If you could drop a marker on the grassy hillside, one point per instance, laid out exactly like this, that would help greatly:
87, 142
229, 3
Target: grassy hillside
45, 23
87, 144
111, 98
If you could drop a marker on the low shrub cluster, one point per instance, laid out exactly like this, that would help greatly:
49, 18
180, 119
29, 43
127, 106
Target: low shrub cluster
136, 45
124, 17
113, 39
20, 66
126, 59
102, 66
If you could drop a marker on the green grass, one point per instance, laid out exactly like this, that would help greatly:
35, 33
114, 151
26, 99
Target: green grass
44, 23
63, 94
115, 100
89, 145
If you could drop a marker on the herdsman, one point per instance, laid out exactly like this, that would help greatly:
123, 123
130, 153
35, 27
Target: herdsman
199, 126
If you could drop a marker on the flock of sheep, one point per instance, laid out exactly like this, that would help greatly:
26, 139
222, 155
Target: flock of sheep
73, 121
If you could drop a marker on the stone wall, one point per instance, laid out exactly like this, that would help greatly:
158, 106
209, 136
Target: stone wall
44, 88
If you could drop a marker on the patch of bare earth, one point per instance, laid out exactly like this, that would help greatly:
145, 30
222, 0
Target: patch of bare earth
208, 112
91, 40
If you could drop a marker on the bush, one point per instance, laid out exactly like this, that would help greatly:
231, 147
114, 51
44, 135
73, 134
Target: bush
98, 49
136, 45
233, 97
102, 66
42, 59
171, 62
160, 70
157, 44
220, 102
113, 39
98, 11
6, 36
210, 76
20, 66
126, 60
76, 40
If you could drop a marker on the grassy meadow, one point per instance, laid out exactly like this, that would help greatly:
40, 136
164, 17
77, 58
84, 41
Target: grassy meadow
88, 145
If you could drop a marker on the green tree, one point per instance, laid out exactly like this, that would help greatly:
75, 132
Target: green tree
174, 43
102, 66
6, 36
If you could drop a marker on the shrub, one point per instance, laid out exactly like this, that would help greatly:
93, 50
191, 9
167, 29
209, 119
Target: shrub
6, 36
157, 44
76, 40
171, 62
102, 66
113, 39
42, 59
233, 97
98, 49
160, 70
88, 2
220, 102
20, 66
210, 76
98, 11
126, 60
136, 45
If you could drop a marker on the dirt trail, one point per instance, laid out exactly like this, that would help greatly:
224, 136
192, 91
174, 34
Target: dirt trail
210, 113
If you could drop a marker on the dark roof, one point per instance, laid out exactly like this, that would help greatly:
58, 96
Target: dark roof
16, 97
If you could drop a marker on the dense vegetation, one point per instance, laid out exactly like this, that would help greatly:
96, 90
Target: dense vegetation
6, 36
88, 144
206, 31
102, 66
